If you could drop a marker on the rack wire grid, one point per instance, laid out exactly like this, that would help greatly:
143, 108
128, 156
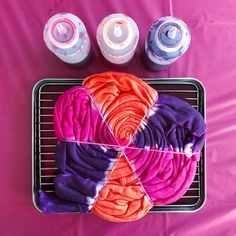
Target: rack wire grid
45, 94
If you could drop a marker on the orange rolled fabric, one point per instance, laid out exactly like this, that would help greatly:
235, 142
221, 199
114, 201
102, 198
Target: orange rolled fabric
123, 99
122, 199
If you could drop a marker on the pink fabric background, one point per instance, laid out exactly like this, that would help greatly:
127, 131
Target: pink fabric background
24, 60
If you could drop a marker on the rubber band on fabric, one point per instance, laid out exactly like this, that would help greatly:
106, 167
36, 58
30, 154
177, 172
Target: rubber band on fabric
123, 148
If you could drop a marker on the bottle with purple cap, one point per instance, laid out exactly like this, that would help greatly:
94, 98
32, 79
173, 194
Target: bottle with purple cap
168, 39
117, 37
65, 35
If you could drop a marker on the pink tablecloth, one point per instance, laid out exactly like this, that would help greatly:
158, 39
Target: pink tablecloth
24, 60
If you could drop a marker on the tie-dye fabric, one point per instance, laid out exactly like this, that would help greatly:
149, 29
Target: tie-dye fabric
122, 148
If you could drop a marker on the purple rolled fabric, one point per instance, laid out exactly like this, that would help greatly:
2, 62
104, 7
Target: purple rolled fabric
77, 182
51, 203
166, 149
172, 122
84, 169
71, 157
76, 188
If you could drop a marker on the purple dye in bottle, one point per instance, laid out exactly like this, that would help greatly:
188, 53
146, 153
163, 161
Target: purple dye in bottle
168, 39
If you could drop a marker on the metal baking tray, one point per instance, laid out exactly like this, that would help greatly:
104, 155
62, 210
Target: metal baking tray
44, 170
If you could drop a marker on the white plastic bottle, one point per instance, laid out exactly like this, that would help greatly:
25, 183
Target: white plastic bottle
66, 36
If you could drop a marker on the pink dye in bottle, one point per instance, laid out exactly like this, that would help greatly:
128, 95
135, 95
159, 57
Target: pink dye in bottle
66, 36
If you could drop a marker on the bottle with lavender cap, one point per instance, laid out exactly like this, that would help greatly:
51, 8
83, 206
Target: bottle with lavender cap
168, 39
65, 35
117, 37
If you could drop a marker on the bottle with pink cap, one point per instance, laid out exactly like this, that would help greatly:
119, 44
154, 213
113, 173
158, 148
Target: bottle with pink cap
66, 36
117, 37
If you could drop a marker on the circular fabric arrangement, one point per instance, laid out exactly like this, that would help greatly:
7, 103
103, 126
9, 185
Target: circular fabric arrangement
122, 148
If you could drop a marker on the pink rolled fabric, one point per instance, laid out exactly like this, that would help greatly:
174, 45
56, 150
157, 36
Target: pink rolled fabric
165, 175
76, 118
166, 148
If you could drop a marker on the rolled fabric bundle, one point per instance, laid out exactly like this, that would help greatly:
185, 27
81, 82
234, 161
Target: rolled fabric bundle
165, 175
166, 149
83, 171
51, 203
83, 166
76, 118
122, 148
92, 160
123, 100
172, 122
122, 199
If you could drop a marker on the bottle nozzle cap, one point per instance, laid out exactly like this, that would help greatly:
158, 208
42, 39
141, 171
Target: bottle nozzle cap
171, 33
117, 31
63, 32
61, 29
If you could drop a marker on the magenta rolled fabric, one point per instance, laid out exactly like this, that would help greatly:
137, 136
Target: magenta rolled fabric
76, 118
166, 149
